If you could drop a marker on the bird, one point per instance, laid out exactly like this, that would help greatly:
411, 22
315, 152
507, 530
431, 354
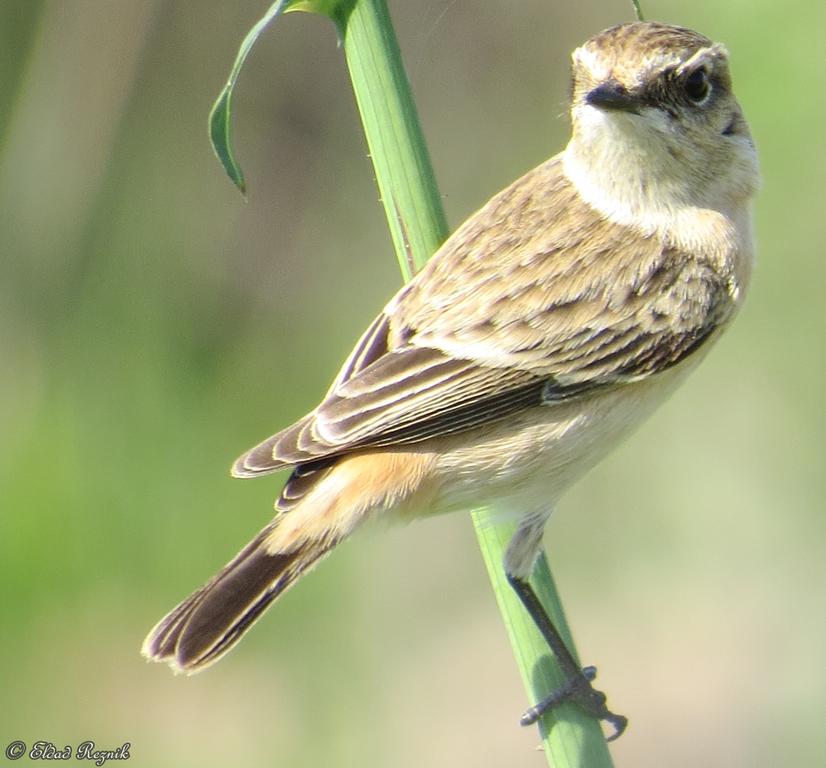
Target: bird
542, 332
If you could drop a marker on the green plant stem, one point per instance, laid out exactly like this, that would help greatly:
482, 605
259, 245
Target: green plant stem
404, 172
417, 223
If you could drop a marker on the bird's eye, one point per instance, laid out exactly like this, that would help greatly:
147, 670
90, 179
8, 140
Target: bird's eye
697, 86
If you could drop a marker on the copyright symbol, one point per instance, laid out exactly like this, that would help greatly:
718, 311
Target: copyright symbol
16, 750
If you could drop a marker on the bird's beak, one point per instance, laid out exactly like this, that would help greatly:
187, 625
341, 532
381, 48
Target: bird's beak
613, 95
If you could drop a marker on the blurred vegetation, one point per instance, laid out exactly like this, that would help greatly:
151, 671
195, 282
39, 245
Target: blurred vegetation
153, 326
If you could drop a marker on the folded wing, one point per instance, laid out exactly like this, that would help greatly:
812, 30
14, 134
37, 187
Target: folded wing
539, 312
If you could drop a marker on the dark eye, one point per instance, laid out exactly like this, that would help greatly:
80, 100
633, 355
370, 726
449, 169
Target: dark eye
697, 86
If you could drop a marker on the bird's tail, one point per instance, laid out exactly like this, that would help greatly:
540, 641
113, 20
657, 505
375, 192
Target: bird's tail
210, 621
320, 514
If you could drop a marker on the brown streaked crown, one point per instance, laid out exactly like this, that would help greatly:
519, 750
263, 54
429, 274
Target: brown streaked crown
641, 39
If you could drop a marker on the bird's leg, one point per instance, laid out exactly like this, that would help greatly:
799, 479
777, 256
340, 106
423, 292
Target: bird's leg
577, 687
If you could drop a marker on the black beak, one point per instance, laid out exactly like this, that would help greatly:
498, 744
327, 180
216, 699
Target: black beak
613, 95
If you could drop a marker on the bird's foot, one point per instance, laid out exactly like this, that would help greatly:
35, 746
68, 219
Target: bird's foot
579, 690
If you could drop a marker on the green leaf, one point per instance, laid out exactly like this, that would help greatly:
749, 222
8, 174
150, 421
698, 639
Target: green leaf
221, 115
219, 135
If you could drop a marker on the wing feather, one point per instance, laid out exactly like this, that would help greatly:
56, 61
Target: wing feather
533, 300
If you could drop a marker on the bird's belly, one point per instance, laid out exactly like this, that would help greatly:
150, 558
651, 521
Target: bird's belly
525, 463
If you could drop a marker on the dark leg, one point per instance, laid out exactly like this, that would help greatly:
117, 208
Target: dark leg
577, 686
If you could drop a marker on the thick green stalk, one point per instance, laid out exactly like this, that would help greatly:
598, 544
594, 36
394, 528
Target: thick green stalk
404, 172
411, 200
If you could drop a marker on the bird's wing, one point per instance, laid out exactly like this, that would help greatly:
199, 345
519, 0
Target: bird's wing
534, 300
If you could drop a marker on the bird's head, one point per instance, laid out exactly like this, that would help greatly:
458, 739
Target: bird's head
652, 107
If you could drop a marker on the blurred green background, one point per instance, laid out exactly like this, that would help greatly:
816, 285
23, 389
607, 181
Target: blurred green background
153, 325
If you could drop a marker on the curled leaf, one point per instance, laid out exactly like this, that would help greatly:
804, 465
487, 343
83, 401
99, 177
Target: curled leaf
221, 114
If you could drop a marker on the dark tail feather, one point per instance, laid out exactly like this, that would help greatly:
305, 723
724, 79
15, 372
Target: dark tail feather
211, 620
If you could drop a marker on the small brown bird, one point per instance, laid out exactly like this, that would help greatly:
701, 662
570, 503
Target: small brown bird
543, 331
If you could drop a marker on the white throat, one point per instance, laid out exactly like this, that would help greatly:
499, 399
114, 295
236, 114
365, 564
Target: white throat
641, 184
